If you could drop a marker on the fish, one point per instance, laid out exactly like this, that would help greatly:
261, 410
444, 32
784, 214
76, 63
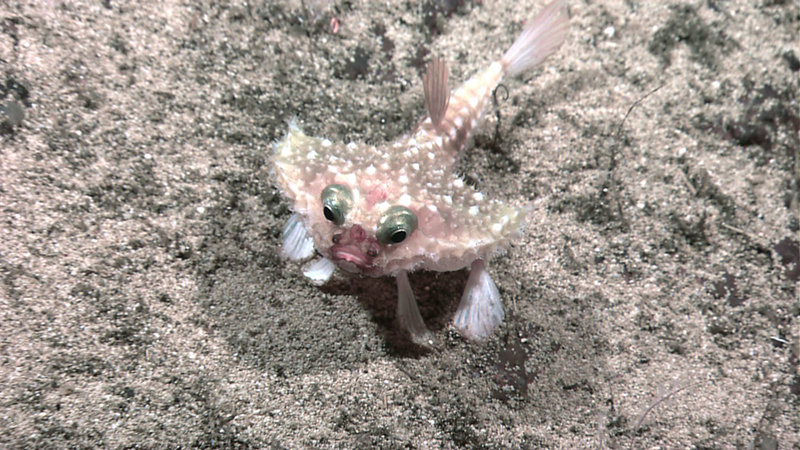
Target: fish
387, 210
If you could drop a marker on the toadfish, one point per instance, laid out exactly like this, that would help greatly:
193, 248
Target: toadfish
400, 207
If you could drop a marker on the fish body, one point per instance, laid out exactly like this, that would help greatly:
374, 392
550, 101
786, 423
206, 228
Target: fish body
400, 207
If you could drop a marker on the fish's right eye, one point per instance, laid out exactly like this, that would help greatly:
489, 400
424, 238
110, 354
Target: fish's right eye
336, 203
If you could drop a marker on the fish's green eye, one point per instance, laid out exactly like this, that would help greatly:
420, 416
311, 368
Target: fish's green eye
336, 202
397, 224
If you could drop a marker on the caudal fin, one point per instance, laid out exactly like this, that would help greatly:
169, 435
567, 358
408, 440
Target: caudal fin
541, 38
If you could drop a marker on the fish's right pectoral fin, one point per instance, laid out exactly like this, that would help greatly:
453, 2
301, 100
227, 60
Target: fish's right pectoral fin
297, 243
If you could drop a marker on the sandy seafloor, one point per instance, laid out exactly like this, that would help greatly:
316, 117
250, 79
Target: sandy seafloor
652, 303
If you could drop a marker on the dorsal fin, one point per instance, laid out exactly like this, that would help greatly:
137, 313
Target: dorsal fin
437, 95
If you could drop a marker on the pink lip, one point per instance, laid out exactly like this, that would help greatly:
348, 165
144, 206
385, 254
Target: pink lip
351, 253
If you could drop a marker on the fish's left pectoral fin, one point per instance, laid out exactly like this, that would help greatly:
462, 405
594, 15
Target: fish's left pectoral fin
437, 94
319, 271
297, 243
408, 312
480, 310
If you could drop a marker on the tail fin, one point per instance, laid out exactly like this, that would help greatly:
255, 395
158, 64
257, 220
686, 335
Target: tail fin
541, 38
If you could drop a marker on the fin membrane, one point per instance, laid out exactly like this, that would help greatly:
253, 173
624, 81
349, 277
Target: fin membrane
541, 37
408, 312
319, 271
297, 243
437, 95
480, 310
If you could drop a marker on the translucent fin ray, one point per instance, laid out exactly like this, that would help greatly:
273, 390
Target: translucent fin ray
437, 95
542, 36
297, 243
319, 271
408, 312
480, 310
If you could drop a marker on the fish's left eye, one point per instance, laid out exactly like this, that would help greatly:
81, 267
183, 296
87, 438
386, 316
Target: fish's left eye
397, 224
336, 202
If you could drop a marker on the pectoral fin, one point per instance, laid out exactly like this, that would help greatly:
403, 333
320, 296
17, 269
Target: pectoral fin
319, 271
408, 312
297, 243
480, 310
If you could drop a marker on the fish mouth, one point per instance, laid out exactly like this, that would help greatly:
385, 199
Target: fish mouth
352, 256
